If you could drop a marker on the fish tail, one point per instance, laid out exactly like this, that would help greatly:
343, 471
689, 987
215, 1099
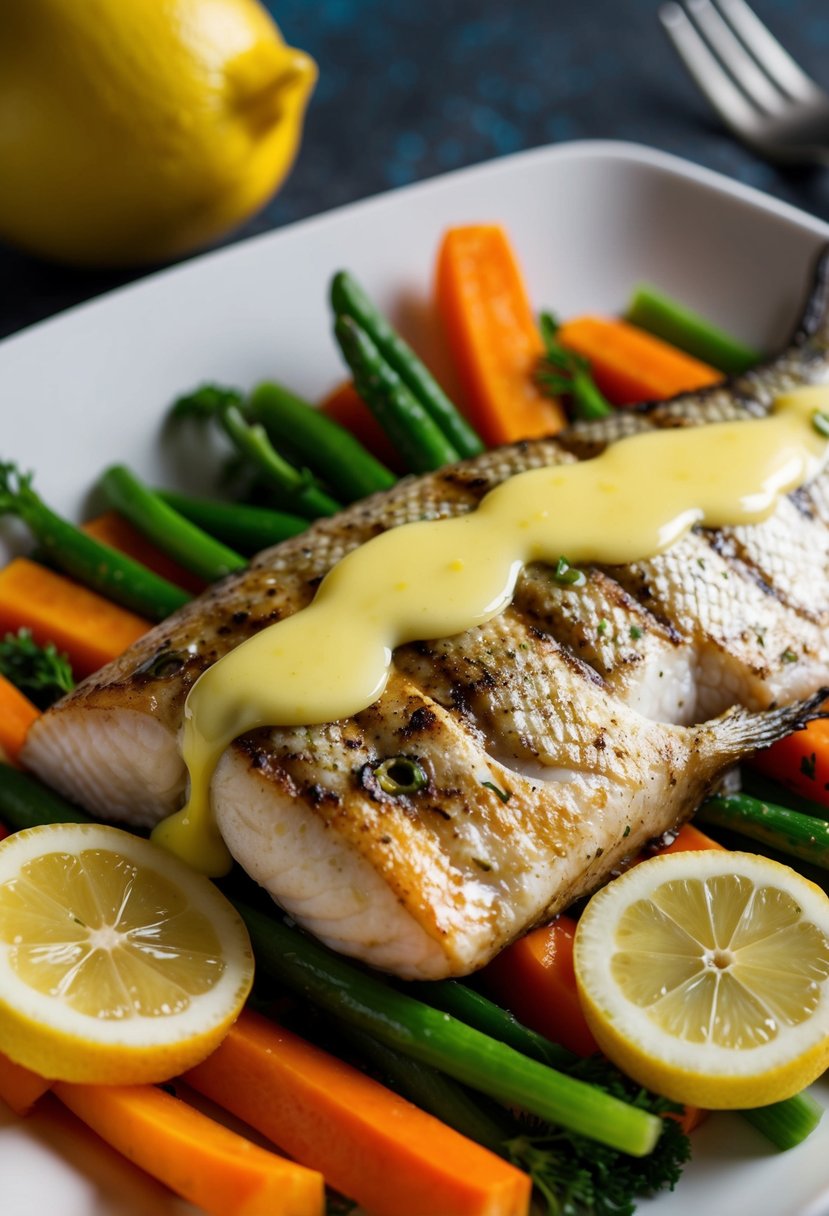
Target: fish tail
740, 731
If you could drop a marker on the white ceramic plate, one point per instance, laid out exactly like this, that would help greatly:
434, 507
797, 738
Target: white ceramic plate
91, 387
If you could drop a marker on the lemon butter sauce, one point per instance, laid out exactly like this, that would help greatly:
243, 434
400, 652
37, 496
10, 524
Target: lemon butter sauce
436, 578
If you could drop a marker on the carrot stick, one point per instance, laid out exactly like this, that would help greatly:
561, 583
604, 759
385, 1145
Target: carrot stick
800, 762
89, 628
16, 716
212, 1167
19, 1087
630, 365
370, 1144
345, 405
112, 529
493, 336
534, 978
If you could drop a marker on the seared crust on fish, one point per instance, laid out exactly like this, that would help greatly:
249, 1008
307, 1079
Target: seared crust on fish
557, 739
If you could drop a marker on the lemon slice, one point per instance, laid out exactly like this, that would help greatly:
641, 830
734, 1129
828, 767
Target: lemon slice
118, 964
705, 977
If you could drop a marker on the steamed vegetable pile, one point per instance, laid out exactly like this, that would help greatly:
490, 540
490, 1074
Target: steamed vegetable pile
492, 1107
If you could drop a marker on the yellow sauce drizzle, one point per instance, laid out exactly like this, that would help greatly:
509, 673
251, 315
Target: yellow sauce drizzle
438, 578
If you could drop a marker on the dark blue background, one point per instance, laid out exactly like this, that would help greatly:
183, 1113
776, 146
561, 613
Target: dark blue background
411, 88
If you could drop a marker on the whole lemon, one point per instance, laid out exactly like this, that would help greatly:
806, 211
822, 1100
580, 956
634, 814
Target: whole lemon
133, 131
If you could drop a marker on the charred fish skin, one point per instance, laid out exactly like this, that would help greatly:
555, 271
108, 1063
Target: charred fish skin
557, 739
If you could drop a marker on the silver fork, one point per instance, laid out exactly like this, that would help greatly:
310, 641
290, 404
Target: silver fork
754, 85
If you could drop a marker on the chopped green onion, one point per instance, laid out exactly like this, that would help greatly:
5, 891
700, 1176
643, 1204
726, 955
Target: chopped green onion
568, 576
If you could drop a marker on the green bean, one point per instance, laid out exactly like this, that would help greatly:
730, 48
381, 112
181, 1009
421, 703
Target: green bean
348, 299
441, 1041
421, 443
176, 536
329, 449
791, 832
300, 487
26, 803
666, 318
246, 528
477, 1010
96, 565
786, 1124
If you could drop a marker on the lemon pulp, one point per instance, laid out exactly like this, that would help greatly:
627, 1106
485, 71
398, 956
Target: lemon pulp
721, 961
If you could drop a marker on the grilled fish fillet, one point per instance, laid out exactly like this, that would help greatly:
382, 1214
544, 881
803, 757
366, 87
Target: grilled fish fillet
558, 738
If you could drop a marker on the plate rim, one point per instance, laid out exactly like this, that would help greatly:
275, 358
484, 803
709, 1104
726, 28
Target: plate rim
608, 150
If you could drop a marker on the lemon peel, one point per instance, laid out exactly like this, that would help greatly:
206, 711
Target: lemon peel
133, 131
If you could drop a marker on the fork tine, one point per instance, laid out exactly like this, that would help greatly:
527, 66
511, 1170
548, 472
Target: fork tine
731, 105
772, 57
734, 56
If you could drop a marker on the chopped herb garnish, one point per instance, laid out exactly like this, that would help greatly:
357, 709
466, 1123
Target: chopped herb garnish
562, 371
602, 626
636, 632
504, 795
788, 656
41, 673
820, 421
808, 765
568, 576
486, 866
627, 830
400, 775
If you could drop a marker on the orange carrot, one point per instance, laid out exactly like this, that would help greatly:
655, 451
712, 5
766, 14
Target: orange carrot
534, 978
89, 628
212, 1167
630, 365
800, 762
370, 1144
345, 405
112, 529
493, 336
19, 1087
16, 716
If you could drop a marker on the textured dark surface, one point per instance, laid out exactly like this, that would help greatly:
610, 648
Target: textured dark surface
412, 88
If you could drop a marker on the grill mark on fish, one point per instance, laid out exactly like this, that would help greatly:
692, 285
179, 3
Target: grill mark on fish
557, 739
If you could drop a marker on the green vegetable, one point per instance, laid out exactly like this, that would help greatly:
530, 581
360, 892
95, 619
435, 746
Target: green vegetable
563, 371
570, 1174
439, 1040
243, 527
421, 443
762, 787
98, 566
660, 315
400, 775
820, 421
296, 487
40, 672
348, 299
786, 1124
26, 803
476, 1010
332, 451
791, 832
165, 527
